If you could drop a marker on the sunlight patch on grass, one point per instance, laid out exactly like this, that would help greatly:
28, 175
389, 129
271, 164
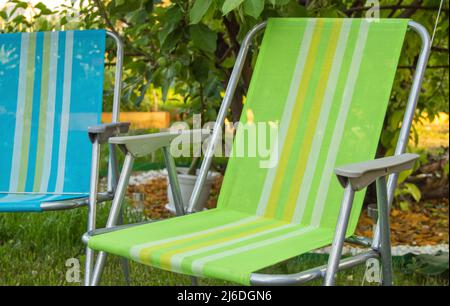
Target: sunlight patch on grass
433, 134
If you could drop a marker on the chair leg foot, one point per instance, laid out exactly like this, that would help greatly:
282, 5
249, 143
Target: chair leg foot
98, 268
385, 236
194, 281
88, 266
339, 237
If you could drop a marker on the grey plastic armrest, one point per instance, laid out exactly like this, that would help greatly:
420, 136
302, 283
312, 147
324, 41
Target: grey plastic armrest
360, 175
103, 132
145, 144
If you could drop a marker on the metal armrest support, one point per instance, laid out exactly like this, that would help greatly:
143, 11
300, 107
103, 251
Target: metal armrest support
74, 203
103, 132
360, 175
133, 147
355, 177
142, 145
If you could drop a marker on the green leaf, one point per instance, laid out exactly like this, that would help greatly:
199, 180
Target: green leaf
403, 176
119, 2
200, 69
396, 118
430, 264
230, 5
279, 2
199, 10
414, 191
253, 8
20, 19
293, 9
203, 37
43, 8
404, 205
23, 5
171, 41
63, 21
445, 169
172, 19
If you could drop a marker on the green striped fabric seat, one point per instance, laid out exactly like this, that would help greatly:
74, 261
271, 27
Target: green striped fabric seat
325, 84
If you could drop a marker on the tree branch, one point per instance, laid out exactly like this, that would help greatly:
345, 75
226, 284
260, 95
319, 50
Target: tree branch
428, 67
394, 10
104, 14
410, 8
439, 49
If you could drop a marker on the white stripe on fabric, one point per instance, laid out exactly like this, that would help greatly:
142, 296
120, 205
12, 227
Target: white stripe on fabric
65, 113
49, 193
21, 198
50, 118
198, 264
21, 94
135, 250
347, 98
287, 113
178, 258
319, 134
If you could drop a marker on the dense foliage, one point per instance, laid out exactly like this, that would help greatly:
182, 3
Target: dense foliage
186, 49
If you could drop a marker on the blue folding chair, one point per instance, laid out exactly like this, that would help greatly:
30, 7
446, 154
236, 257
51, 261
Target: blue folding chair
51, 86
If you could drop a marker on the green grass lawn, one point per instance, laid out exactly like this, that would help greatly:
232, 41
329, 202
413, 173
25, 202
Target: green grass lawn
34, 249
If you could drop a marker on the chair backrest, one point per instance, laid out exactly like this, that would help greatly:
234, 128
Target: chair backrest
325, 84
51, 86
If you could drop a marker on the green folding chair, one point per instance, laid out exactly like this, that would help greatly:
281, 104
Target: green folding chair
326, 84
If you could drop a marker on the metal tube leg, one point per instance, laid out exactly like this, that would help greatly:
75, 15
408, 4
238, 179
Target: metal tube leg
114, 213
413, 97
176, 192
385, 235
112, 168
92, 208
339, 236
98, 268
173, 179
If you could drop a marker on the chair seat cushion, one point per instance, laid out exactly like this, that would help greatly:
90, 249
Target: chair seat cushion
30, 202
219, 243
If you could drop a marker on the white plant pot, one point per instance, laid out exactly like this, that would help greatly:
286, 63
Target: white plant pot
187, 183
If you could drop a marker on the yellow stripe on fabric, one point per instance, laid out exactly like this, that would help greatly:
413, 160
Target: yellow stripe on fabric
42, 112
299, 103
165, 259
27, 113
312, 121
146, 251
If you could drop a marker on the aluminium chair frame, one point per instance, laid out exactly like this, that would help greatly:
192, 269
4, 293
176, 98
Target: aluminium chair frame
99, 135
353, 178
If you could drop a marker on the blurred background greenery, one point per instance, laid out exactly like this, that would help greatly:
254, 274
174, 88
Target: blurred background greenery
178, 58
179, 54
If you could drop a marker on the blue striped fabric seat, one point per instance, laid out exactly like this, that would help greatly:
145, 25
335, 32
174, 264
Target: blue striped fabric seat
51, 86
